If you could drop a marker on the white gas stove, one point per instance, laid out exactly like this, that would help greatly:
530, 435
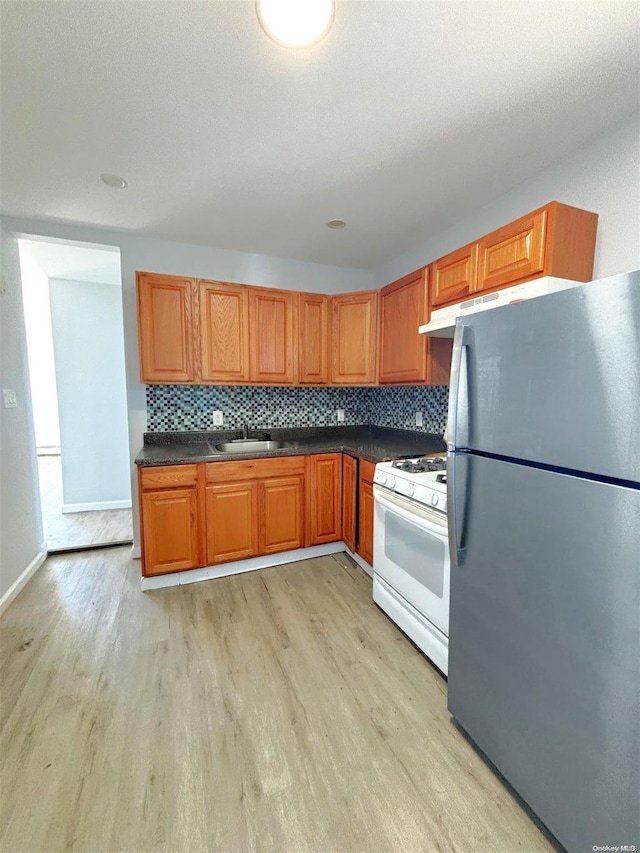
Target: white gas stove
411, 551
422, 480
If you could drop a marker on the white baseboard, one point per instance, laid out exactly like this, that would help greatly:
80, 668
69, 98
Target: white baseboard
21, 581
95, 507
358, 559
135, 552
209, 572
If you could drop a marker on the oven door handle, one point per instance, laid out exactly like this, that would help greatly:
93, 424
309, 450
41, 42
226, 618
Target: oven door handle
422, 516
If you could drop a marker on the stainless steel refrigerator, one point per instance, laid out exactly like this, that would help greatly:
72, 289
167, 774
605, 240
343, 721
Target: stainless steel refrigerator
544, 516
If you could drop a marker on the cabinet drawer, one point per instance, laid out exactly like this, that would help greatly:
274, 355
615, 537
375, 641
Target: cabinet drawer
254, 469
168, 476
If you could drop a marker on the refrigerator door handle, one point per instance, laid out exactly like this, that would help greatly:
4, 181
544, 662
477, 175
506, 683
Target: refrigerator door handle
456, 494
458, 418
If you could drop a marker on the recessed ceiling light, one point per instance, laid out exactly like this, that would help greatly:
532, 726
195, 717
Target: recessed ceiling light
336, 223
295, 23
114, 181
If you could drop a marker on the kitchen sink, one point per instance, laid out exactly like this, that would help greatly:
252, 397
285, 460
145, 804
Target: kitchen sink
248, 445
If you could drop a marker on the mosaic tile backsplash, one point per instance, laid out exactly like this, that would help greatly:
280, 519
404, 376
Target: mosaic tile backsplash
185, 407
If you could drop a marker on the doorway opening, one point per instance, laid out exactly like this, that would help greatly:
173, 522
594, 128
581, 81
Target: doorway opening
72, 294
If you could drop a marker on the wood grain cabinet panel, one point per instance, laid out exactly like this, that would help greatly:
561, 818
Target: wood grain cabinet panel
323, 505
170, 531
512, 253
349, 500
354, 338
166, 328
224, 332
272, 335
404, 307
439, 351
454, 277
313, 339
281, 509
231, 521
365, 521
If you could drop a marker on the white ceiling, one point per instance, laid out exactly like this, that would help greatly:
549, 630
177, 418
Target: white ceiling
408, 116
57, 259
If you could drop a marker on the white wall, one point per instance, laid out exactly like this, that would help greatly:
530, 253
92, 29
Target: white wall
88, 344
37, 314
602, 176
21, 537
147, 254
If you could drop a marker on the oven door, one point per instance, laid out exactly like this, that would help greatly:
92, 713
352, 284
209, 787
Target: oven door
411, 553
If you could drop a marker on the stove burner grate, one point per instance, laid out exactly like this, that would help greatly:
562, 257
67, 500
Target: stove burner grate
420, 466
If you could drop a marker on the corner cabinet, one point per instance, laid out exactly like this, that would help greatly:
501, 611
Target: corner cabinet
404, 307
166, 328
354, 342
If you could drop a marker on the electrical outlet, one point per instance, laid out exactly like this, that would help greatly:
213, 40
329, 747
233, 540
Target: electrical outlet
218, 418
419, 419
340, 415
10, 399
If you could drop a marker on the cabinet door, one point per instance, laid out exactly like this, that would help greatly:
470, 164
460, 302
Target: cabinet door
512, 253
313, 339
453, 277
324, 498
403, 307
281, 514
272, 328
365, 521
349, 500
170, 531
354, 338
232, 521
165, 328
224, 332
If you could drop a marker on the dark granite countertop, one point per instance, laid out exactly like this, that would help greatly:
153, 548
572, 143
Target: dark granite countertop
367, 442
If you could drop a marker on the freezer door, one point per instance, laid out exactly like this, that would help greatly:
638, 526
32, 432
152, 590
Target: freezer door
544, 654
554, 380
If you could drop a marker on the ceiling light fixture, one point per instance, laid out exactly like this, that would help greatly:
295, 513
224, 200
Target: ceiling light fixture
295, 23
336, 223
113, 181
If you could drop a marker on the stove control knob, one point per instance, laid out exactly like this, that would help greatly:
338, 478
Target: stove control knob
434, 499
411, 490
392, 482
381, 478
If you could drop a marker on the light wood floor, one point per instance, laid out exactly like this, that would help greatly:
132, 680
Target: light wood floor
277, 710
76, 529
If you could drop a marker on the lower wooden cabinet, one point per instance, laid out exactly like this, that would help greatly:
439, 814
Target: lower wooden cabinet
205, 514
323, 489
365, 511
349, 501
170, 530
281, 514
231, 521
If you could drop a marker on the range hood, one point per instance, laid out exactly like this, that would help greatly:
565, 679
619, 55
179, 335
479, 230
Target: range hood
442, 323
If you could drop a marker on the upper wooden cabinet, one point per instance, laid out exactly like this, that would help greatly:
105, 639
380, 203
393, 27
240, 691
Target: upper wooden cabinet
556, 240
403, 307
313, 339
272, 336
166, 328
354, 331
224, 332
454, 276
512, 253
